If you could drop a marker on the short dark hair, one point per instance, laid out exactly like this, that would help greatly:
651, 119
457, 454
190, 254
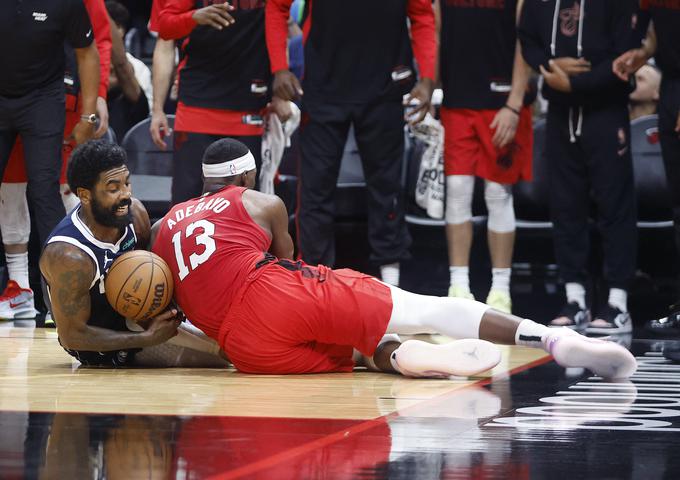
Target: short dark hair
89, 160
224, 150
118, 13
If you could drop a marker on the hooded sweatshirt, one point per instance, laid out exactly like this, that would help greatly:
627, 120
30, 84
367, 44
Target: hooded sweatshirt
597, 30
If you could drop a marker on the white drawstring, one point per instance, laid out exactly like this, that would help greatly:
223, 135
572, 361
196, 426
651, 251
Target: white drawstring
580, 121
579, 43
554, 28
573, 135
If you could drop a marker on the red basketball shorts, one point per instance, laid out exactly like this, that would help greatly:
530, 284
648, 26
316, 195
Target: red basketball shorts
15, 171
294, 318
469, 149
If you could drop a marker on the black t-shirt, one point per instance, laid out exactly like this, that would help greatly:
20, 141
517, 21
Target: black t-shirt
357, 51
228, 68
32, 36
477, 52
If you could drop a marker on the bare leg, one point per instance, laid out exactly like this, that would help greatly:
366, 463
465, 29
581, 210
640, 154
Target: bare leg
459, 239
501, 246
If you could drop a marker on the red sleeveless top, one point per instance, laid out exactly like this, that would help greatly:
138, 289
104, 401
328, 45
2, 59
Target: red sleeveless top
211, 244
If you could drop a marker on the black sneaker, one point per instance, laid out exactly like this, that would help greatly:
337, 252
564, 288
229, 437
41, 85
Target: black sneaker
610, 321
667, 326
571, 316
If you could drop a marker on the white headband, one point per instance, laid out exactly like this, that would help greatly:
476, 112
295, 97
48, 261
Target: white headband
230, 168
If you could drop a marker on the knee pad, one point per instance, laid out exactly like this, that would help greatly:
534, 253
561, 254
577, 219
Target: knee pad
15, 222
459, 190
499, 204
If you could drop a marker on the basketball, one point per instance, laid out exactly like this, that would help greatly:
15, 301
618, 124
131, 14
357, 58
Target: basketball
139, 285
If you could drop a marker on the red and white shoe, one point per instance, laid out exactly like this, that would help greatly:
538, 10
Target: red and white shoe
461, 358
16, 302
605, 359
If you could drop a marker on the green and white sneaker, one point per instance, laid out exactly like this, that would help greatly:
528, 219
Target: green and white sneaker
458, 292
500, 301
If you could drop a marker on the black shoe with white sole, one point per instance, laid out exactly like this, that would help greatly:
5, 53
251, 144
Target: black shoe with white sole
610, 321
667, 326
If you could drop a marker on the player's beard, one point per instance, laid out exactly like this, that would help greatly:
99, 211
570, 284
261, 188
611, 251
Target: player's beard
108, 217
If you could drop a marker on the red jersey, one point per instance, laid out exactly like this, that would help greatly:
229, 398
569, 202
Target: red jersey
211, 244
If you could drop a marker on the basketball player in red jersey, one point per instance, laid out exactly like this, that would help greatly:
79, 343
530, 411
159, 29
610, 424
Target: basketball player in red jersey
229, 251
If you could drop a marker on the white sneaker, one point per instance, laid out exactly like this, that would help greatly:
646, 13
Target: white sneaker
603, 358
461, 358
16, 302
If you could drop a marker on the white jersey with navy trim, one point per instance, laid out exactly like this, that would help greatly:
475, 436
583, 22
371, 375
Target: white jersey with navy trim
72, 230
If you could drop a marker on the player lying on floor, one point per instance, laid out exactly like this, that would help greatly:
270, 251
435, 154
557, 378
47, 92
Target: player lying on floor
230, 254
107, 223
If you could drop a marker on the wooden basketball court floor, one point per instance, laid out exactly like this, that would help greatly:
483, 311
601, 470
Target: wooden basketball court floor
528, 418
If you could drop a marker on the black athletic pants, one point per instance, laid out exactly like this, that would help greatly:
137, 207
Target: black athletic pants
598, 163
39, 118
379, 132
669, 109
187, 181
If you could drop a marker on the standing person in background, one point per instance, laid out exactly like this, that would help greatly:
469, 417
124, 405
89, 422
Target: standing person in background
162, 70
573, 44
663, 43
223, 82
17, 300
355, 78
130, 84
488, 134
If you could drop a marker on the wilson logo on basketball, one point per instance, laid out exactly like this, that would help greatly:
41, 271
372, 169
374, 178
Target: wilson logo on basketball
158, 295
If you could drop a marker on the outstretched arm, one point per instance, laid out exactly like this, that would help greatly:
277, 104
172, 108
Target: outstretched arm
69, 273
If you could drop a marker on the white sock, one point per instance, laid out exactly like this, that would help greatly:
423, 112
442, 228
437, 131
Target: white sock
460, 277
618, 298
390, 273
17, 268
500, 279
576, 293
531, 334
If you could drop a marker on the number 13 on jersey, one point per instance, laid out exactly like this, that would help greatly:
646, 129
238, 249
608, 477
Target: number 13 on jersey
204, 237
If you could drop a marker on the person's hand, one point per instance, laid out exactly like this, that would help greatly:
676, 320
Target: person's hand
281, 108
419, 99
628, 63
505, 125
556, 78
103, 114
162, 327
572, 66
286, 86
81, 133
159, 129
216, 16
677, 125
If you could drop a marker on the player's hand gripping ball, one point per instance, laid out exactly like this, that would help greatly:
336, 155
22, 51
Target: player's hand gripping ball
139, 285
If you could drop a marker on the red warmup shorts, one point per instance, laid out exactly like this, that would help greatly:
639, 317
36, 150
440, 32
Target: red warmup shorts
294, 318
469, 150
15, 171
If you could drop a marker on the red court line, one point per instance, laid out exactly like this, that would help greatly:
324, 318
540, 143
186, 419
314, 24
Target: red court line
273, 460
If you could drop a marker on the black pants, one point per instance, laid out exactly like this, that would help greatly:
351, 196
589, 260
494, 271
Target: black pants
39, 118
187, 182
669, 109
379, 132
599, 162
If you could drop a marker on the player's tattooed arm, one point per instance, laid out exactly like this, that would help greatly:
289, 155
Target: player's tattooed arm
142, 224
69, 272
